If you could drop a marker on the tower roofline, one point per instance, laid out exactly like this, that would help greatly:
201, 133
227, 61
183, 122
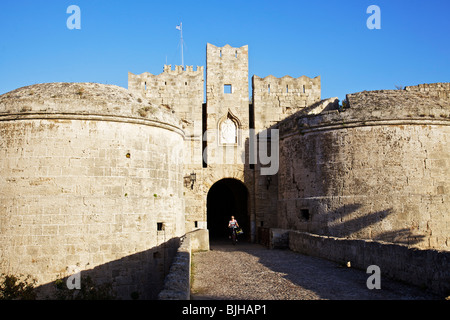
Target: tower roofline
227, 46
317, 78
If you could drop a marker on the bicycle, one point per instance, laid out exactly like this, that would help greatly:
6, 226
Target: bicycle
233, 236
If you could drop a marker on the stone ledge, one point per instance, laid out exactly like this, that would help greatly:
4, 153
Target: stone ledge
92, 117
424, 268
279, 238
177, 285
82, 99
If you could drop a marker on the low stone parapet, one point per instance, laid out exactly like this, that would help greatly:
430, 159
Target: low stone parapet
177, 285
279, 238
422, 267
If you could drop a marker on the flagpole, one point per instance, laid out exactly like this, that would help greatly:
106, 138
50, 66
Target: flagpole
182, 57
180, 27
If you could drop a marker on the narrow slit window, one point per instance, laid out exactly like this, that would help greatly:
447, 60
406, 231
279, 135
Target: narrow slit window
160, 226
204, 142
145, 86
304, 214
235, 54
287, 89
220, 53
227, 88
268, 88
303, 88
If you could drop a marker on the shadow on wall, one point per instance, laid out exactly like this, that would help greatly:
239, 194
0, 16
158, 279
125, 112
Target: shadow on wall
403, 236
340, 226
137, 276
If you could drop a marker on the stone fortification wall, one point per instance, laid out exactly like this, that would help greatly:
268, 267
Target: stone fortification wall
180, 91
90, 180
275, 99
177, 285
435, 90
226, 120
427, 269
378, 169
226, 66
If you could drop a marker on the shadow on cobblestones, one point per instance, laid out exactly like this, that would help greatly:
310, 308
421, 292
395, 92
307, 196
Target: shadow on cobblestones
251, 271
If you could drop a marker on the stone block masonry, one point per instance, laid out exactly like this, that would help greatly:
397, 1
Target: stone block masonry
177, 284
424, 268
98, 176
88, 180
376, 170
179, 90
435, 90
275, 99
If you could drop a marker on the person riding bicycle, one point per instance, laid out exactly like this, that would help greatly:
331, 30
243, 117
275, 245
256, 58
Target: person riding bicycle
233, 224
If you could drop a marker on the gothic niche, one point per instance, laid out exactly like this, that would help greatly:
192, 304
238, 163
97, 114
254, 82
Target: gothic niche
228, 129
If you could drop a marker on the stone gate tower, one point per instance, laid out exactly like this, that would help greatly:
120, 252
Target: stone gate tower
218, 131
226, 138
227, 103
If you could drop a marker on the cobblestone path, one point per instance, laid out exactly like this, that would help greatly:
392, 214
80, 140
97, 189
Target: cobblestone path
251, 271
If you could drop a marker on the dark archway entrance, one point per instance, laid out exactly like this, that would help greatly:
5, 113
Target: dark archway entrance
227, 197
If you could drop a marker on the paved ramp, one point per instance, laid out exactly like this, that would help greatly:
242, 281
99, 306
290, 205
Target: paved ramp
251, 271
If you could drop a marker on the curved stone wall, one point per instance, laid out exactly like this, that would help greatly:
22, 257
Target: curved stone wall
376, 170
91, 178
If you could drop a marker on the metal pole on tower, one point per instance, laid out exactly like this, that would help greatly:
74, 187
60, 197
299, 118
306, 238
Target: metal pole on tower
180, 27
182, 57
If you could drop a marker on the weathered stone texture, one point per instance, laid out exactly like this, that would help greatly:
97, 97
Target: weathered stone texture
423, 268
275, 99
180, 91
212, 152
177, 285
98, 176
226, 66
88, 189
436, 90
377, 170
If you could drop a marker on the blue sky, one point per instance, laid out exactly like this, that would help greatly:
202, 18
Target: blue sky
326, 38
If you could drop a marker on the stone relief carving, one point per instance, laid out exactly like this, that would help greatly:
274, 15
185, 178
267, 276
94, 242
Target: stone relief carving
228, 132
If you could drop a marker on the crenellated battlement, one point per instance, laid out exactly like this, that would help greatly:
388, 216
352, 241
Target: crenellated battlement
271, 85
189, 70
227, 52
439, 90
98, 177
227, 66
277, 98
180, 78
176, 89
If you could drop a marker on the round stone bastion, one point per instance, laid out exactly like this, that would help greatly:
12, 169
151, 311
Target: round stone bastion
91, 180
377, 169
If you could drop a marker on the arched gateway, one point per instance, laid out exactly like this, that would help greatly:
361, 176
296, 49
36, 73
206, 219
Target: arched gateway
225, 198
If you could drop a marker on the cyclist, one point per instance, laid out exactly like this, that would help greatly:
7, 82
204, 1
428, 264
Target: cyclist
233, 225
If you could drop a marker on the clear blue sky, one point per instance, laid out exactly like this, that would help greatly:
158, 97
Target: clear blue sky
326, 38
